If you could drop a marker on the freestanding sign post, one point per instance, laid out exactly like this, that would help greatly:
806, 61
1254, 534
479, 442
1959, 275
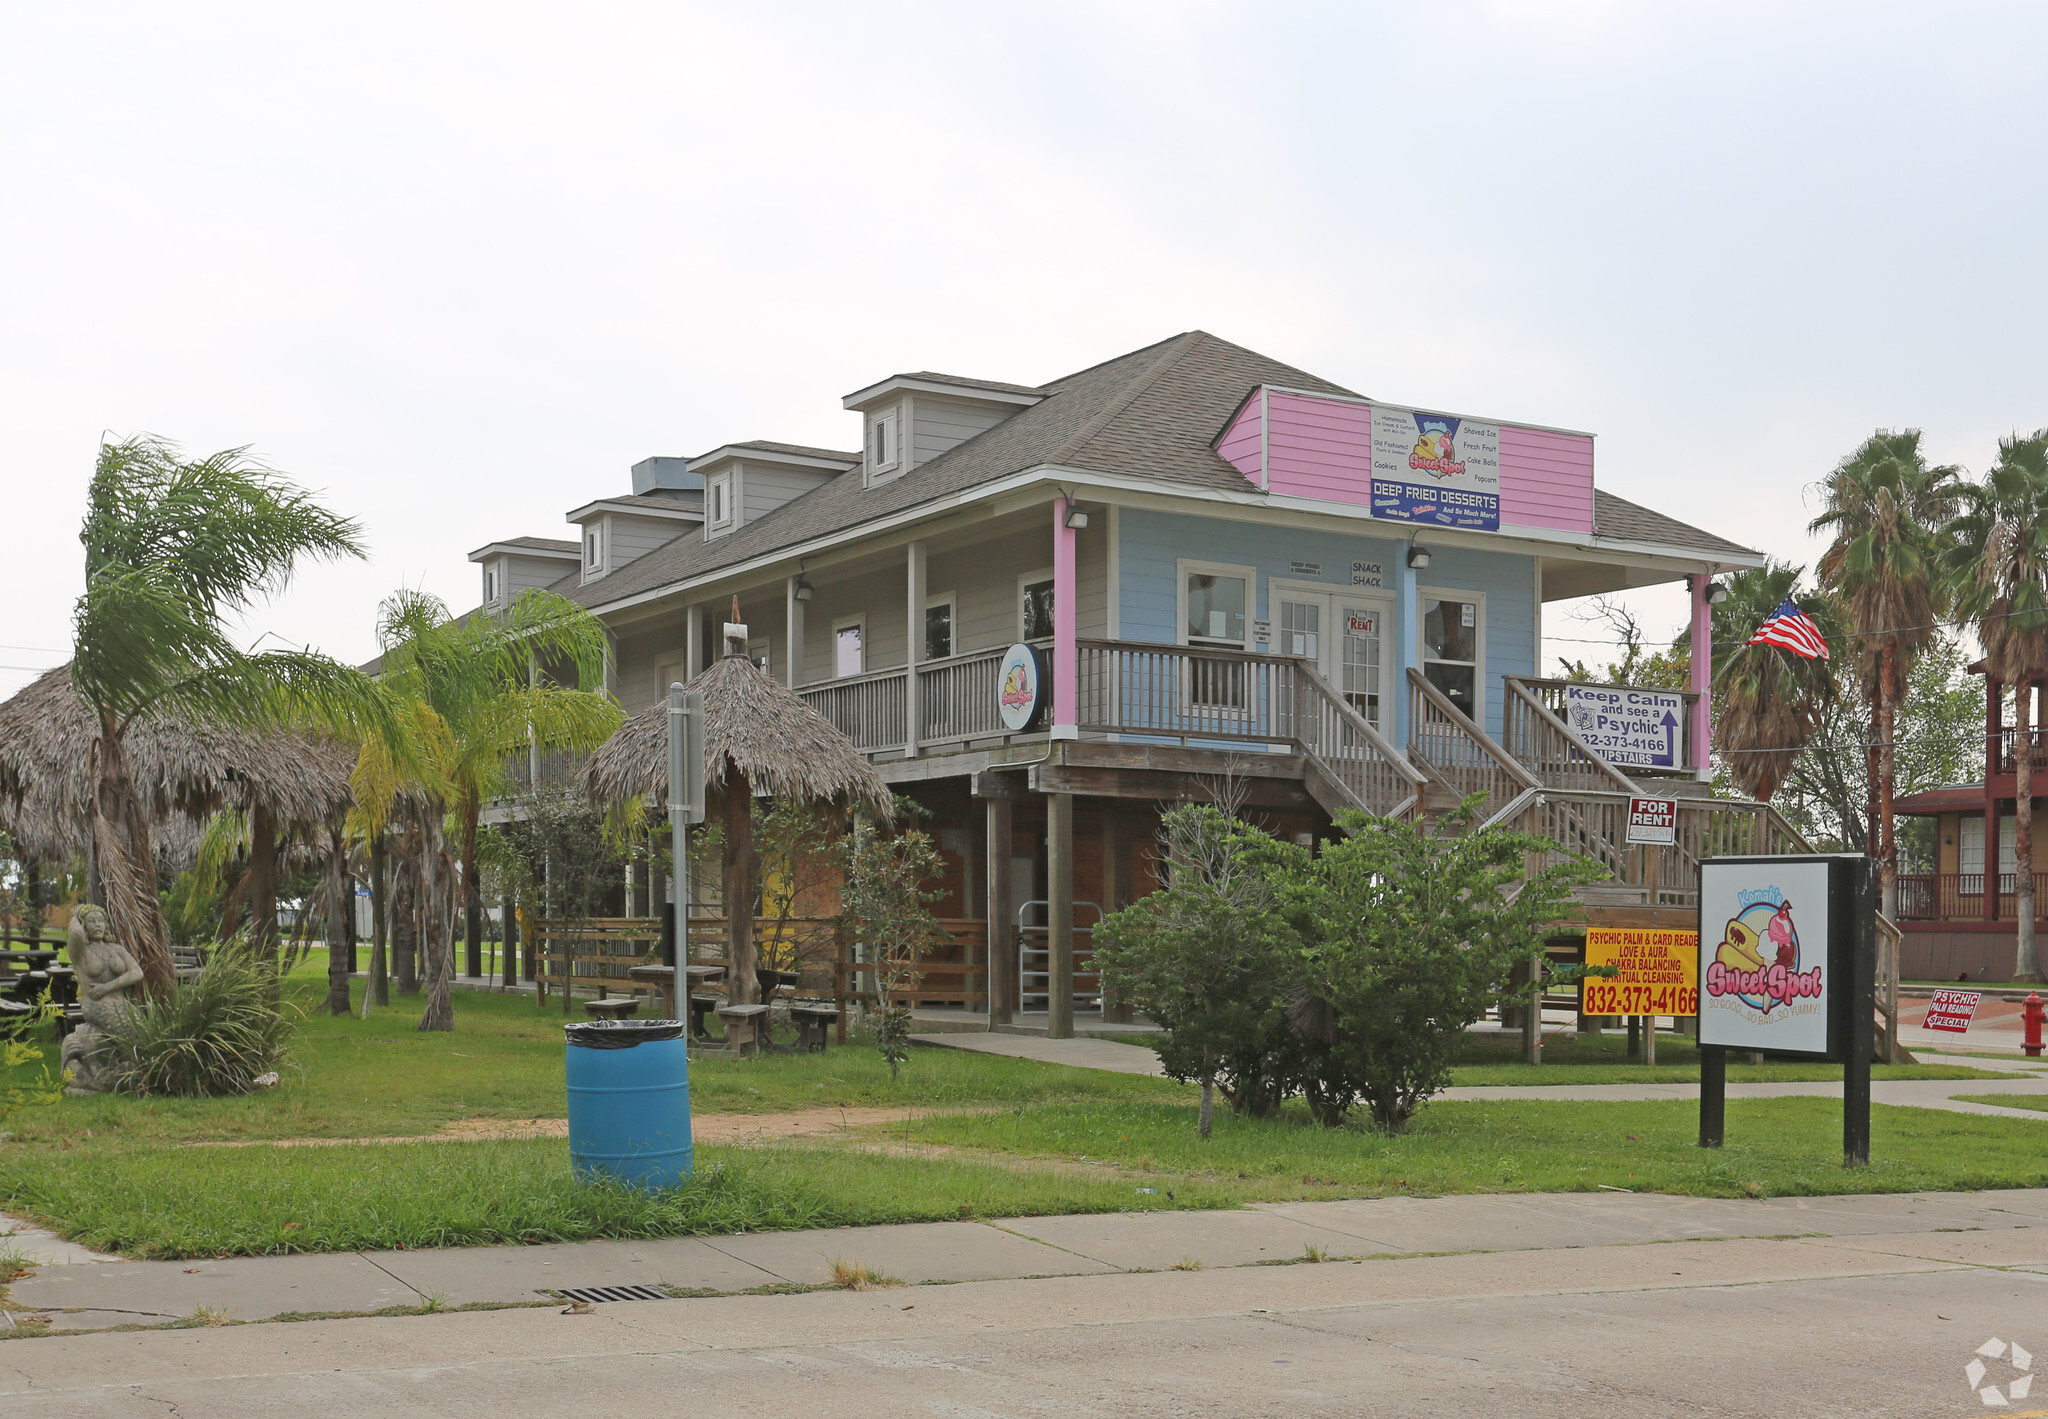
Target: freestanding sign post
685, 806
1788, 957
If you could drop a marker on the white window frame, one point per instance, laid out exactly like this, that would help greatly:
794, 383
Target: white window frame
761, 651
859, 623
719, 494
490, 583
1186, 567
950, 599
1032, 579
885, 434
593, 549
1229, 692
1424, 594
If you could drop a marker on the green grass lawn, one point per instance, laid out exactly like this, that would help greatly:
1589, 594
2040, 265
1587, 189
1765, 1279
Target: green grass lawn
1603, 1059
119, 1173
1774, 1147
2037, 1102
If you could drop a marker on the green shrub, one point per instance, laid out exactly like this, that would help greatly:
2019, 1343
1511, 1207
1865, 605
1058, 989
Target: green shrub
214, 1035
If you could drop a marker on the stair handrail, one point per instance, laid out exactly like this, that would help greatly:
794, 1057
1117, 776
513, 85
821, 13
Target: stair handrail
1551, 721
1382, 749
1423, 695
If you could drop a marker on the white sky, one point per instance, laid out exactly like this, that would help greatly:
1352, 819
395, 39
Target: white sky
460, 266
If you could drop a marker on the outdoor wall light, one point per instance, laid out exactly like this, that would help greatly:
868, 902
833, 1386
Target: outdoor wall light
802, 590
1076, 518
1717, 592
1418, 558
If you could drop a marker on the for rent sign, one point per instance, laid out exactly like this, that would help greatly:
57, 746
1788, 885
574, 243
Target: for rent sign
1642, 729
1658, 972
1653, 821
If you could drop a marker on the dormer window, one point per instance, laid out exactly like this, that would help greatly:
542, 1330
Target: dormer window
883, 453
593, 550
720, 493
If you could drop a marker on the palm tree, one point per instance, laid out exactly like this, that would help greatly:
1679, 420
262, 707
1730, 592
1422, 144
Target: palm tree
1886, 507
1998, 551
470, 696
1768, 701
173, 548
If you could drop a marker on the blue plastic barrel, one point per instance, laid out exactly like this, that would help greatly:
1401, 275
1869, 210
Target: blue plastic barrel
629, 1101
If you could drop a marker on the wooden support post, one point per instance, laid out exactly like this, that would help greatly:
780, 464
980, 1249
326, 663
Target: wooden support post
1649, 1039
1635, 1037
1002, 954
1713, 1096
1059, 859
1115, 886
508, 954
1532, 1017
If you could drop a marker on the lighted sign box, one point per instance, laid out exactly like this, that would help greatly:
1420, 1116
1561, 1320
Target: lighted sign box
1786, 953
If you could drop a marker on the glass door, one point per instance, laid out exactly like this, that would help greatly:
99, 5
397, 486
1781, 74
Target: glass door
1360, 675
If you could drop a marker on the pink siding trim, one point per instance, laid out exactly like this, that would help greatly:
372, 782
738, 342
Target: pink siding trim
1240, 442
1321, 448
1066, 651
1546, 479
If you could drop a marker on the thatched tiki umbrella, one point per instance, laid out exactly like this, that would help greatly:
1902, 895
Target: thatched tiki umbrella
289, 784
759, 737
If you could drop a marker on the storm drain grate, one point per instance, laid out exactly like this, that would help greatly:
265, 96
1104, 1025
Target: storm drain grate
611, 1293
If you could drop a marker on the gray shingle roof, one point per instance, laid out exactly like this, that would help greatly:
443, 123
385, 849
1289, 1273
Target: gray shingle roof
1631, 522
1149, 414
540, 544
934, 377
796, 450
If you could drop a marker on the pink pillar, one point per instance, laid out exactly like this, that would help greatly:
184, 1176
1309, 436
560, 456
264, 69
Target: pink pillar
1066, 676
1702, 727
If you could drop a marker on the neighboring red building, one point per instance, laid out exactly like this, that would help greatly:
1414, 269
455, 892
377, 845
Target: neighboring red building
1953, 927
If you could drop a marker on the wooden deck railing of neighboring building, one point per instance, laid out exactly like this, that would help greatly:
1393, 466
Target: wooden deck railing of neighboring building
1959, 896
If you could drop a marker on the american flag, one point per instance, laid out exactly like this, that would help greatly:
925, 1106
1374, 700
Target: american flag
1790, 628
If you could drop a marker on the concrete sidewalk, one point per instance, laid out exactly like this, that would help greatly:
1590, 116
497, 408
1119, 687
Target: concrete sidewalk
99, 1295
1916, 1093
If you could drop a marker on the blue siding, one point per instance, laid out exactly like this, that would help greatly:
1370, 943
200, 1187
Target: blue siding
1152, 542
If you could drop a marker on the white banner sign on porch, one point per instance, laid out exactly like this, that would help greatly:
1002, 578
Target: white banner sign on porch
1653, 821
1643, 729
1435, 468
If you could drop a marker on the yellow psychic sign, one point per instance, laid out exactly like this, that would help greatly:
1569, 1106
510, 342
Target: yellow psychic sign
1659, 971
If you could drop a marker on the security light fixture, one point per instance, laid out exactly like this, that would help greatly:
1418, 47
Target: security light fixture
802, 590
1076, 518
1717, 592
1418, 558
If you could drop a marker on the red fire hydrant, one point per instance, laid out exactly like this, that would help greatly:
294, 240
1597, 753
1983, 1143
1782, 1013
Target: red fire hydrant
2030, 1020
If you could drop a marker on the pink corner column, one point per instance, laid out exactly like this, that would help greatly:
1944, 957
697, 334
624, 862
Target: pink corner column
1066, 669
1702, 735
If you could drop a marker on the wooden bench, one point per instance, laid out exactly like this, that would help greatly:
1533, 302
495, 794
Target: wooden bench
701, 1006
746, 1026
814, 1020
612, 1007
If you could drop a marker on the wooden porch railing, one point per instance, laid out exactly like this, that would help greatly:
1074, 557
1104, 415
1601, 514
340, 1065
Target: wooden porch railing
1197, 695
1594, 825
1548, 747
1460, 753
868, 709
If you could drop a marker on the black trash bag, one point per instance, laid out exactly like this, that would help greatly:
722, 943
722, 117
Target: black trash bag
622, 1034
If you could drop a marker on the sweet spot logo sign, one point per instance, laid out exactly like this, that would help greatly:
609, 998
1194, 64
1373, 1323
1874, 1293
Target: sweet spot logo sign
1763, 956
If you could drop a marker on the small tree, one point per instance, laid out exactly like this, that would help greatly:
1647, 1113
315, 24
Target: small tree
1203, 958
885, 906
1410, 934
